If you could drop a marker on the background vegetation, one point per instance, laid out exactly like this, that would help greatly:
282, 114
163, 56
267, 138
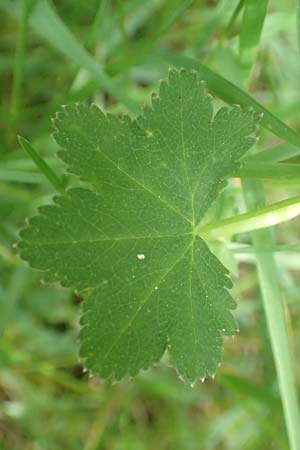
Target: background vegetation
48, 402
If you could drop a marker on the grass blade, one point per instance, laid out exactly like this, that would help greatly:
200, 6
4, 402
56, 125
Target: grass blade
48, 24
45, 22
298, 24
19, 61
275, 154
20, 176
275, 248
231, 94
268, 170
251, 28
42, 165
232, 20
175, 15
272, 303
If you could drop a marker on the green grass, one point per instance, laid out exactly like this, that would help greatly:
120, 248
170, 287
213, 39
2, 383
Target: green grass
268, 274
114, 53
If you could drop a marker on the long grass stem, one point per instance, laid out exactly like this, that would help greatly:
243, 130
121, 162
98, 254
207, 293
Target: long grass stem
274, 311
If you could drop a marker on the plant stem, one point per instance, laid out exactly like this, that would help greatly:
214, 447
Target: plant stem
272, 303
263, 217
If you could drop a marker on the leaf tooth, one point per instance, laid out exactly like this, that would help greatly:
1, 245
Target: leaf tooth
155, 100
113, 376
164, 89
95, 108
173, 75
172, 71
189, 382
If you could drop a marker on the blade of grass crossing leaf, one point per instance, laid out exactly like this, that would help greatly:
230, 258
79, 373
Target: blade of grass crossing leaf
42, 165
272, 303
251, 28
231, 94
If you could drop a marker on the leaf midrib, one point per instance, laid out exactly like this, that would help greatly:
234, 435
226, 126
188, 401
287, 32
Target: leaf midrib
127, 238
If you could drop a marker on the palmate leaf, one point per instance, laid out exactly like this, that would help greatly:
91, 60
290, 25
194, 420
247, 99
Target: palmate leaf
132, 239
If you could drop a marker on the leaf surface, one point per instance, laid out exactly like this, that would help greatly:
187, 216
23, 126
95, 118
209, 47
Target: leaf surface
132, 237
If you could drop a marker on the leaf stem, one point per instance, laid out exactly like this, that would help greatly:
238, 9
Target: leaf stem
42, 165
261, 218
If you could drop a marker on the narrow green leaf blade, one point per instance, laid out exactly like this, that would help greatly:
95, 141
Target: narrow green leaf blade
250, 169
251, 28
45, 21
298, 24
42, 165
278, 153
275, 317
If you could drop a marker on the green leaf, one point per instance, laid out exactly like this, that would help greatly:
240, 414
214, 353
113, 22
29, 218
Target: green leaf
232, 94
132, 238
